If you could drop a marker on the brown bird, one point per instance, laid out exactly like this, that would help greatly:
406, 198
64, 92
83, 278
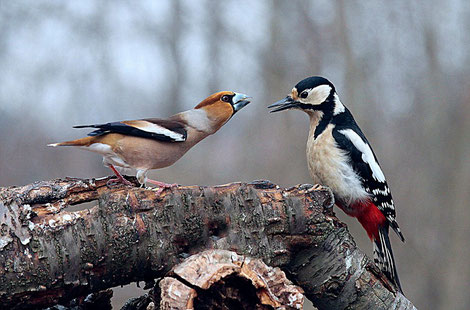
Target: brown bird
155, 143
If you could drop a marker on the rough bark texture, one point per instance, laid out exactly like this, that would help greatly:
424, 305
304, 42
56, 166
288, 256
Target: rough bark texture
50, 255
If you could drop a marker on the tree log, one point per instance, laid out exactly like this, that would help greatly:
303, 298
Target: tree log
51, 255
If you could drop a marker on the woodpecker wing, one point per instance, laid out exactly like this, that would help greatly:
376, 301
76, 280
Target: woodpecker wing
364, 162
152, 128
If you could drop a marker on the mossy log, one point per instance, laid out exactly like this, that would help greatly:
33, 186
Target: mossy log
51, 254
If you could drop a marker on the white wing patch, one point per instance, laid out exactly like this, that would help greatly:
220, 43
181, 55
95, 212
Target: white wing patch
367, 155
154, 128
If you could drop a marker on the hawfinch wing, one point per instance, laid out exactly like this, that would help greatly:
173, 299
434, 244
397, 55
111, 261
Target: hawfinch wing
152, 128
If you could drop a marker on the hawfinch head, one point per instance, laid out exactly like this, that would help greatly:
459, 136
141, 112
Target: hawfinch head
221, 106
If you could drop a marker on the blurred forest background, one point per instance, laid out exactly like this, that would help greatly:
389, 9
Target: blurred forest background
402, 67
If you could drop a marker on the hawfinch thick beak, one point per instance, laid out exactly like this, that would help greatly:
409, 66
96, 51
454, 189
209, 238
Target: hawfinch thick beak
239, 101
284, 104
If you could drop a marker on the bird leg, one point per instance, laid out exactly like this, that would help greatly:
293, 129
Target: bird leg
142, 178
161, 185
119, 178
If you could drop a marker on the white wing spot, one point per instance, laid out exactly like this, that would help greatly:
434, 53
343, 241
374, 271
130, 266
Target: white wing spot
367, 155
384, 192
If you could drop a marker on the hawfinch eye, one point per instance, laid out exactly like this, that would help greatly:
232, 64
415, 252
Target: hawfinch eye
225, 98
304, 94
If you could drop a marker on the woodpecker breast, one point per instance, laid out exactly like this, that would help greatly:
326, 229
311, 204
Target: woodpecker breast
329, 165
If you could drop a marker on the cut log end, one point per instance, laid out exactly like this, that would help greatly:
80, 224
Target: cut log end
220, 279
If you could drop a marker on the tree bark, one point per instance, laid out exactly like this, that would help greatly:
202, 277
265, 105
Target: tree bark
51, 254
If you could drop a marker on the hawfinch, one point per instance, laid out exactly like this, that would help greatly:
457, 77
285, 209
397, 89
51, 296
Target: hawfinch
155, 143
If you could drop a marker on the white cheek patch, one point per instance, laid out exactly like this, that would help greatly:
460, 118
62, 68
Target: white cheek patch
319, 94
367, 155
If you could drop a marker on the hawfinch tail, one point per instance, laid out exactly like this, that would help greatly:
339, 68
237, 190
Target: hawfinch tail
155, 143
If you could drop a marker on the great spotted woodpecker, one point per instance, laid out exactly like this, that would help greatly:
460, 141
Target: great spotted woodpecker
340, 157
155, 143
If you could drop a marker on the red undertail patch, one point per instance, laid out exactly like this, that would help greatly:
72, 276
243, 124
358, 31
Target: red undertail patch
370, 217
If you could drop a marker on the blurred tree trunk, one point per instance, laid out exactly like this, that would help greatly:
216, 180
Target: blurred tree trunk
215, 39
175, 31
51, 254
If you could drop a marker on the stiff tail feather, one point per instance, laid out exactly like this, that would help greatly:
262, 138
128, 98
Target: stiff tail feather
383, 256
395, 228
79, 142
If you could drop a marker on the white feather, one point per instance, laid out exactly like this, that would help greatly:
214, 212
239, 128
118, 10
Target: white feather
384, 192
367, 155
154, 128
319, 94
109, 156
339, 107
103, 149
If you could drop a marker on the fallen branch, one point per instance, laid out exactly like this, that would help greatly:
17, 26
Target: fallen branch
50, 255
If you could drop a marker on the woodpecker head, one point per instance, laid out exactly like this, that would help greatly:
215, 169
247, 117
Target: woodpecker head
311, 94
221, 106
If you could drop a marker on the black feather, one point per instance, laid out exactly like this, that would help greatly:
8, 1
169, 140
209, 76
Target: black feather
312, 82
383, 256
118, 127
379, 191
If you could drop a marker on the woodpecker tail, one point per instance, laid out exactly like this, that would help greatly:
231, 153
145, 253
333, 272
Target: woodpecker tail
79, 142
383, 256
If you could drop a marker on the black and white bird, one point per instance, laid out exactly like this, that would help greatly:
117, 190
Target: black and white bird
340, 157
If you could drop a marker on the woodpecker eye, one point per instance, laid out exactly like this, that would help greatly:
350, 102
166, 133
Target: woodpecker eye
304, 94
225, 98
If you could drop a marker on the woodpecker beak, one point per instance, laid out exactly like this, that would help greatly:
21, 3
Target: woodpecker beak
284, 104
239, 101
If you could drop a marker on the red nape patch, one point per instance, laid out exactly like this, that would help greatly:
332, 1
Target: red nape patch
369, 216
